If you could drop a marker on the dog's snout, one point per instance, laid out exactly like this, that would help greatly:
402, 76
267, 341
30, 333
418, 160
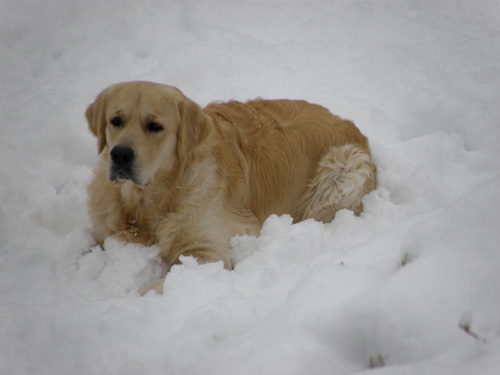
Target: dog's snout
122, 155
122, 165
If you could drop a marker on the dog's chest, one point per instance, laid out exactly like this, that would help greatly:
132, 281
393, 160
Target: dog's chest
138, 218
136, 231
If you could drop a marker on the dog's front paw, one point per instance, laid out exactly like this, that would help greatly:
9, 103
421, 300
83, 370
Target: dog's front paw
128, 235
157, 286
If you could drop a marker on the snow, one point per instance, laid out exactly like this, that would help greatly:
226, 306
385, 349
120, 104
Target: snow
411, 286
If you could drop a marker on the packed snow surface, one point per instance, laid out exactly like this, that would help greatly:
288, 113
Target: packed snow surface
411, 286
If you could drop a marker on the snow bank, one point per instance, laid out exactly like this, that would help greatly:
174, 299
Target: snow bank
409, 286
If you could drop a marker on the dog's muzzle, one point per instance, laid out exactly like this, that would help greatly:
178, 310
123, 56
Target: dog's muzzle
122, 158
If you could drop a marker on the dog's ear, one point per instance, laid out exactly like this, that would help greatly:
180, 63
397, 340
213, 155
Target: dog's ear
97, 121
194, 130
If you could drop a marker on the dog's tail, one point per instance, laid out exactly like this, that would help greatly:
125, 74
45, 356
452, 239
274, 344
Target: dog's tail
344, 175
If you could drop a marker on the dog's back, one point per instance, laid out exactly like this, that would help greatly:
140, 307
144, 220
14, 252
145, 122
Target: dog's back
295, 152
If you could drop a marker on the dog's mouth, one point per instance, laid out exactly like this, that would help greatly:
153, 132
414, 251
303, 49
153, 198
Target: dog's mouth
121, 175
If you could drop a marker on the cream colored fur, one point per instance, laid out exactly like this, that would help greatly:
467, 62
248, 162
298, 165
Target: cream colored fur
212, 173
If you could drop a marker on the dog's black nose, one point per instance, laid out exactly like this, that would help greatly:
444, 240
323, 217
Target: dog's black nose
122, 155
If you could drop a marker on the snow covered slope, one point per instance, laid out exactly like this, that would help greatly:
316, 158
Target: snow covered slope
412, 286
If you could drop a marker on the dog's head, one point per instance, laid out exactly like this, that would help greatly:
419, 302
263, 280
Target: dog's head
144, 127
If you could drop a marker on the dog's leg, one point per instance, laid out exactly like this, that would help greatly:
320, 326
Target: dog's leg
343, 176
157, 286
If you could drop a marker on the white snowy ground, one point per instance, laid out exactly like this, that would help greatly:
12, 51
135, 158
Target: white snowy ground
382, 293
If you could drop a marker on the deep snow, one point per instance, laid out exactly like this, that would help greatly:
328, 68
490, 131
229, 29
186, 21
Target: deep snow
393, 291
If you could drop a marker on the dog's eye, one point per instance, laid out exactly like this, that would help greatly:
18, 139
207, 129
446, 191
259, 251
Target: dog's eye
116, 121
154, 127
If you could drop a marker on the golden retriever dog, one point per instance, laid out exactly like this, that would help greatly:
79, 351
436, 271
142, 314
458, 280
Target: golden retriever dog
188, 179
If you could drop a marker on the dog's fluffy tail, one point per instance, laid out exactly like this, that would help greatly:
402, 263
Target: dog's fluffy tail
344, 175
